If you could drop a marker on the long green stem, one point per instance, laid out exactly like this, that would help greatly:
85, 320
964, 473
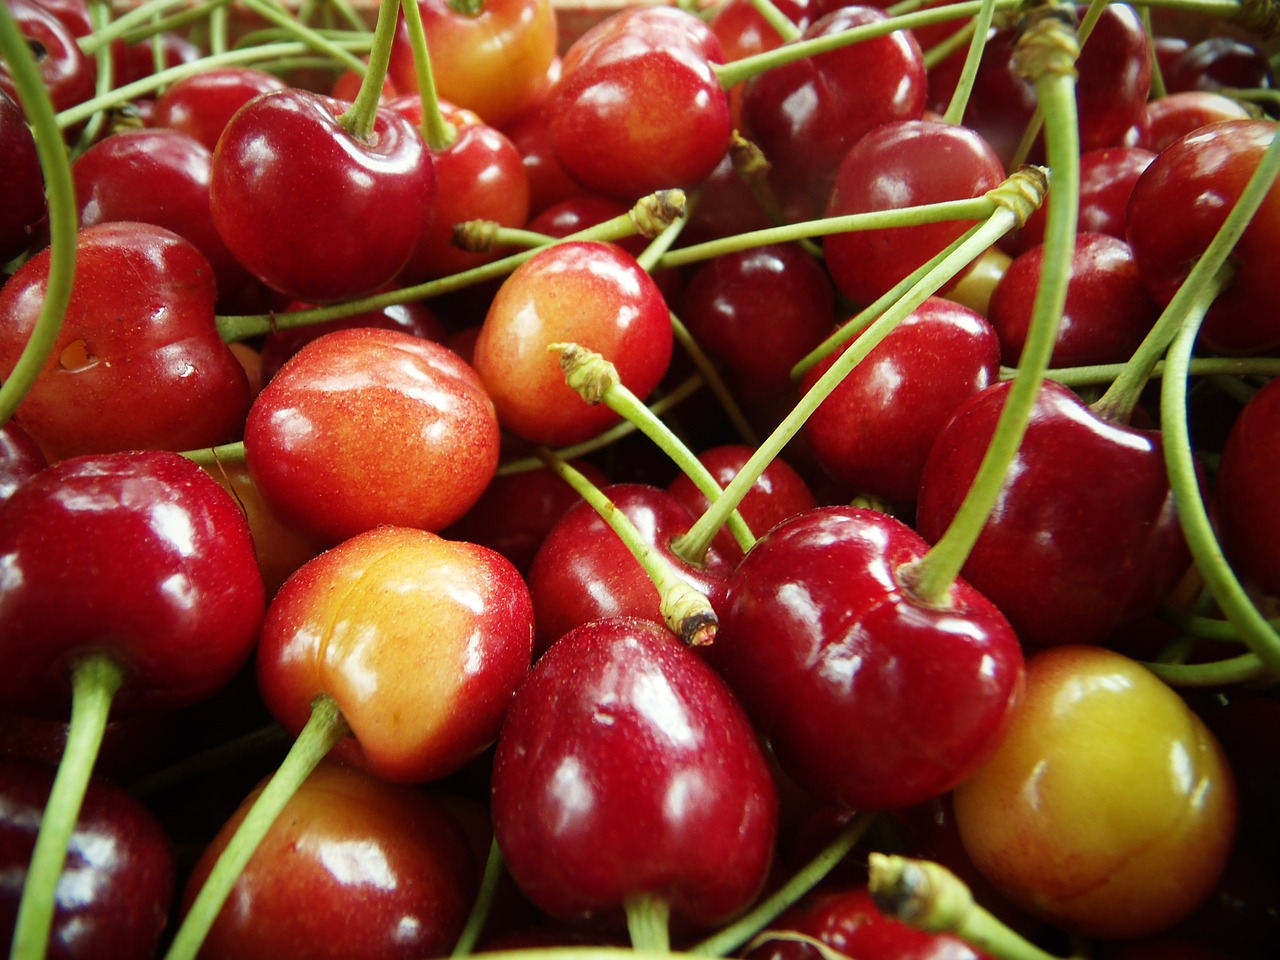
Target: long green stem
648, 921
969, 72
324, 729
436, 130
304, 34
94, 682
359, 118
480, 910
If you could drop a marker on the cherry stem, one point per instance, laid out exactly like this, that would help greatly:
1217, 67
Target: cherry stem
648, 922
483, 906
233, 328
969, 72
1012, 202
233, 452
929, 897
1208, 628
324, 728
99, 14
596, 380
314, 40
64, 217
1046, 52
782, 25
730, 938
1200, 367
715, 382
94, 682
1246, 668
685, 610
359, 119
140, 17
438, 132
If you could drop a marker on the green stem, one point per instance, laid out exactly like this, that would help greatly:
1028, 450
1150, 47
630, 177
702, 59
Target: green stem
1048, 45
212, 456
360, 117
648, 922
63, 214
134, 18
775, 18
312, 39
438, 132
483, 906
1200, 367
1208, 628
1246, 668
94, 682
686, 611
715, 382
323, 730
730, 938
969, 72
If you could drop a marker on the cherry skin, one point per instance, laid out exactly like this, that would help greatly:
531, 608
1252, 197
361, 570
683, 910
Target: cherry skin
1107, 312
638, 107
344, 836
921, 694
138, 362
903, 164
367, 426
874, 431
20, 459
1194, 182
1175, 115
96, 545
21, 181
116, 890
1247, 512
588, 293
419, 640
201, 104
581, 831
1068, 560
1111, 837
1217, 62
337, 221
67, 74
548, 183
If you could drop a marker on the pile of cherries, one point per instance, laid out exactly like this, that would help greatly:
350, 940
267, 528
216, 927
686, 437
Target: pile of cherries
783, 480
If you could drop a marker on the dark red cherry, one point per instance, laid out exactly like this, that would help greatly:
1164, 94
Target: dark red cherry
67, 73
201, 104
1175, 115
1217, 62
1247, 510
20, 458
21, 182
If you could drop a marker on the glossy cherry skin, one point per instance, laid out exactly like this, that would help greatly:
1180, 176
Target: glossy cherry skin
625, 767
760, 311
1114, 837
161, 177
1247, 512
583, 571
848, 921
895, 165
638, 107
368, 426
67, 73
1066, 558
346, 838
21, 181
337, 221
1107, 312
1217, 62
138, 362
20, 459
114, 896
201, 104
805, 115
588, 293
920, 694
491, 61
140, 555
548, 183
419, 640
1175, 115
874, 431
1194, 182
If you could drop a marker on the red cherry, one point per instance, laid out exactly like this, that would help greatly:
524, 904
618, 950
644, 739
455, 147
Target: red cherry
366, 426
920, 695
136, 61
548, 182
21, 181
20, 459
1217, 62
1175, 115
67, 74
201, 104
138, 362
626, 768
1247, 510
337, 221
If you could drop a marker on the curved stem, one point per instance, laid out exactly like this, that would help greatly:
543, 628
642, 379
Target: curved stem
63, 214
94, 682
648, 922
1246, 668
313, 40
483, 905
438, 132
324, 729
359, 118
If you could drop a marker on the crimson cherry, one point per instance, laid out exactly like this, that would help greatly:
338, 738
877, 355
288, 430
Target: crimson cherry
548, 182
1068, 560
135, 61
67, 74
21, 181
337, 221
20, 459
1175, 115
1217, 62
1247, 512
920, 694
627, 771
200, 104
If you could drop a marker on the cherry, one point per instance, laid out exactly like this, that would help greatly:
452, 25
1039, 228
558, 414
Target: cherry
21, 181
1175, 115
548, 182
367, 426
156, 176
1111, 837
921, 694
901, 164
1066, 559
1107, 313
638, 107
626, 772
20, 459
1248, 515
201, 104
805, 115
302, 227
874, 431
67, 74
346, 834
115, 892
138, 362
1195, 181
589, 293
1217, 62
135, 61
